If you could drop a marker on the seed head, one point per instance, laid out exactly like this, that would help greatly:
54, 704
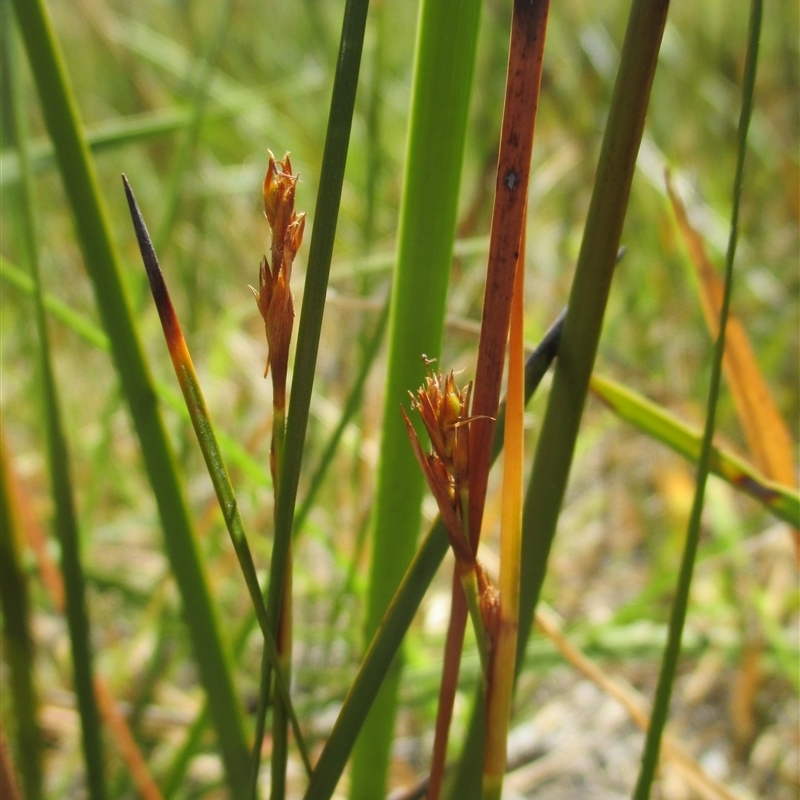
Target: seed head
444, 409
274, 297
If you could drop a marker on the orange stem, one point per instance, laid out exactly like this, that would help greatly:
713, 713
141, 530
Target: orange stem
500, 683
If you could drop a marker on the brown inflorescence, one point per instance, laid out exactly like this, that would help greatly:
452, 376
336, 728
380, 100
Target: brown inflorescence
445, 412
274, 297
444, 409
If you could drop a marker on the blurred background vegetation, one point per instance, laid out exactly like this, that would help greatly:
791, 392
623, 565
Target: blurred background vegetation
139, 72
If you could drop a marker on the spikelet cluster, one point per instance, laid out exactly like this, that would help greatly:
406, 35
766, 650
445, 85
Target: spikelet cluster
274, 297
444, 409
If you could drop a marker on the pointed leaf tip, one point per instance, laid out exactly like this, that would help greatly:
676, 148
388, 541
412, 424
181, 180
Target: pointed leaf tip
143, 238
158, 287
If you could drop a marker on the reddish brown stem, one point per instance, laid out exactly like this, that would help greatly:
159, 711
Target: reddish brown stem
447, 690
526, 53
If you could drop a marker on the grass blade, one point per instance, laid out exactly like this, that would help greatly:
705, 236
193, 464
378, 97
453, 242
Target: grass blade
101, 697
18, 645
206, 437
319, 261
72, 319
783, 501
103, 266
376, 664
768, 438
588, 296
9, 783
319, 258
115, 723
65, 521
234, 452
354, 400
765, 430
658, 718
548, 623
186, 150
441, 92
114, 133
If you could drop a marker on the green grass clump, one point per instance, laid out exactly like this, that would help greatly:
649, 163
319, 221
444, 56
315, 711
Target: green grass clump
186, 99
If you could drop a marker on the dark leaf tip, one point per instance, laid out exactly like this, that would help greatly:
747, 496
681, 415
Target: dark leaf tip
143, 238
157, 285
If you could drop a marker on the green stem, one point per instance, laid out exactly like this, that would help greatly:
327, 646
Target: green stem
65, 521
276, 627
469, 583
18, 650
655, 421
206, 438
186, 150
94, 236
588, 297
18, 644
319, 260
108, 135
658, 718
782, 501
353, 403
442, 86
280, 742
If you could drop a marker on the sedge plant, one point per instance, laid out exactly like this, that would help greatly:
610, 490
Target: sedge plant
206, 437
470, 417
276, 306
669, 664
506, 249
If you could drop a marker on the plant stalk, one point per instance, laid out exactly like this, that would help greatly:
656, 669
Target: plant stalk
500, 681
658, 718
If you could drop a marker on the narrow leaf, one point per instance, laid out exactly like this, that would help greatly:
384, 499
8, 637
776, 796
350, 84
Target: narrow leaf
657, 422
206, 438
106, 135
582, 326
234, 452
767, 434
65, 521
766, 431
669, 664
94, 237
